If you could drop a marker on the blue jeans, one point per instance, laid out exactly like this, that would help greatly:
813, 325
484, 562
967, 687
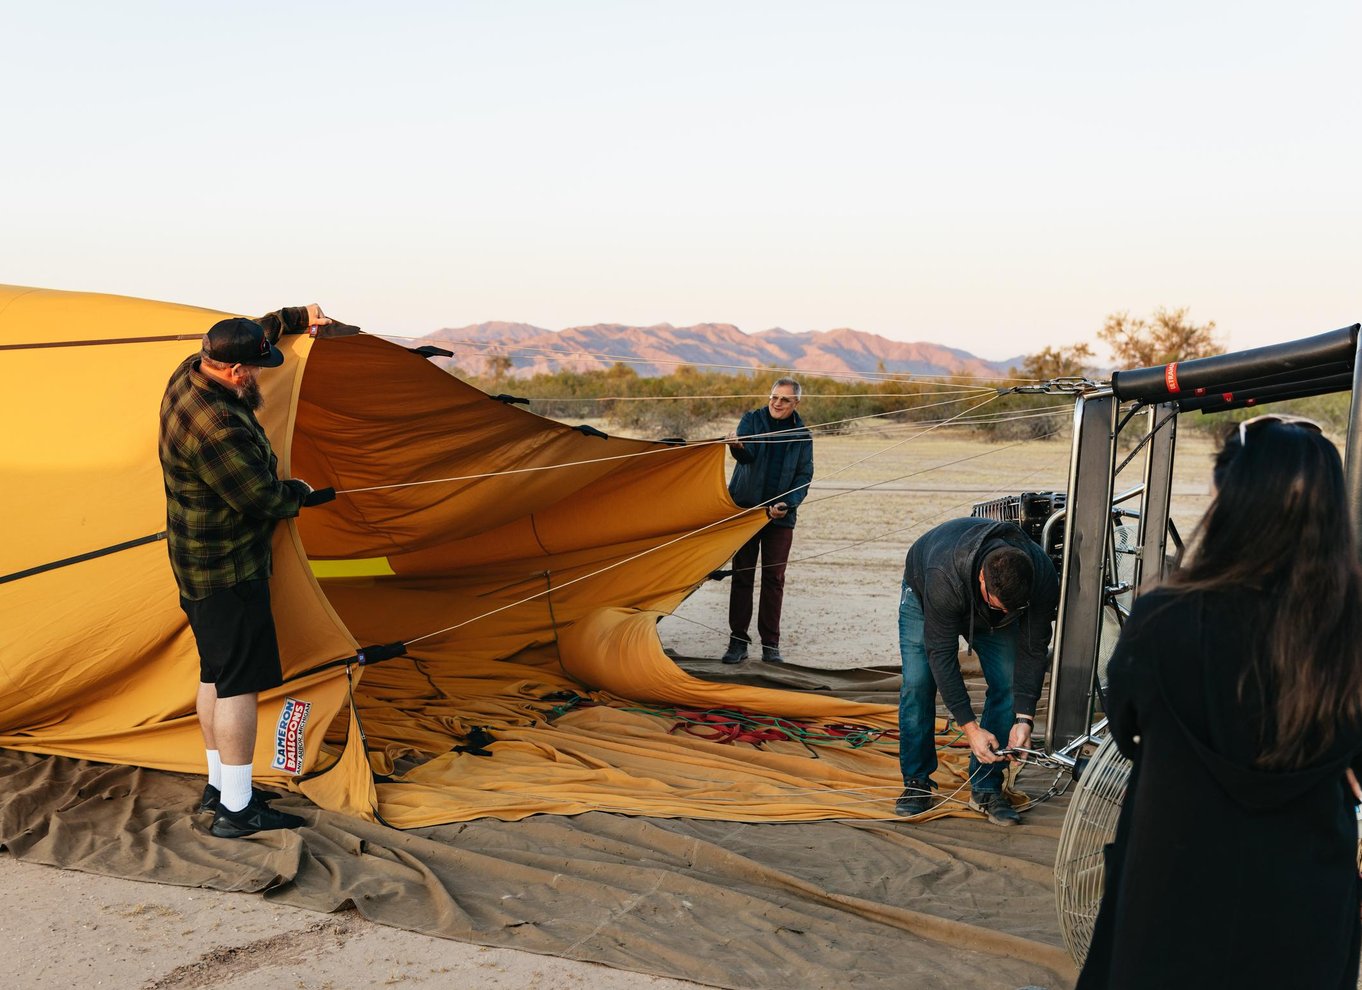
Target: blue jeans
997, 650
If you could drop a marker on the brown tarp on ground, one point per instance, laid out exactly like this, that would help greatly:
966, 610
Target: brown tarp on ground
946, 903
513, 590
949, 903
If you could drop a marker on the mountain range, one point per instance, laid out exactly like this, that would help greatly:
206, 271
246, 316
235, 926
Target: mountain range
660, 349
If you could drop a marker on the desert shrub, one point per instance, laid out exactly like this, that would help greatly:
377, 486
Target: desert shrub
1330, 411
690, 402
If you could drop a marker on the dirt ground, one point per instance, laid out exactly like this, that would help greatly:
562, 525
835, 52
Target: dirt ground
67, 928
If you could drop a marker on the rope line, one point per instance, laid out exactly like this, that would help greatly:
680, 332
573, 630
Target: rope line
847, 795
934, 467
823, 732
889, 376
619, 563
774, 436
806, 394
661, 546
580, 578
900, 443
849, 546
892, 532
875, 794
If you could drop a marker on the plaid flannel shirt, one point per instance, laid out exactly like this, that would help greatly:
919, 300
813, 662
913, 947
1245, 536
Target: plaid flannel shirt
223, 493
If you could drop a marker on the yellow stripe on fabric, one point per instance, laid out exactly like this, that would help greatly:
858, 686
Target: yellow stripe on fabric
360, 567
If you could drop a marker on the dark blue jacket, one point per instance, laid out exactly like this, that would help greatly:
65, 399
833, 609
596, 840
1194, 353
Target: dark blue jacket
748, 484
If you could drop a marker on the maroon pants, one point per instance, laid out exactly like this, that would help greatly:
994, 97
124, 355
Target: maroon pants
773, 544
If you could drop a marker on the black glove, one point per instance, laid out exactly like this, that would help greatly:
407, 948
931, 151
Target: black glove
319, 496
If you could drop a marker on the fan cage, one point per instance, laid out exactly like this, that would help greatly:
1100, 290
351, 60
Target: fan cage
1080, 863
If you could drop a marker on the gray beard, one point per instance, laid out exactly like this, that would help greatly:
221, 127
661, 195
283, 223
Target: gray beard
250, 395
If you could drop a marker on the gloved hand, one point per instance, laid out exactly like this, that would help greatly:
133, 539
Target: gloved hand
319, 496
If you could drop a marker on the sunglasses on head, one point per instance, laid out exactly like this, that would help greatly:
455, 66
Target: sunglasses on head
1301, 421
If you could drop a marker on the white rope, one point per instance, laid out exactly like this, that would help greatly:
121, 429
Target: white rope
701, 529
873, 793
915, 436
987, 419
892, 532
583, 577
934, 467
806, 394
854, 491
666, 449
644, 553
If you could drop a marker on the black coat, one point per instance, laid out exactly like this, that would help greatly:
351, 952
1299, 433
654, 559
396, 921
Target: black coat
942, 568
1221, 875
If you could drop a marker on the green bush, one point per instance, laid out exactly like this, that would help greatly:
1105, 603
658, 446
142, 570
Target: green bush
1330, 411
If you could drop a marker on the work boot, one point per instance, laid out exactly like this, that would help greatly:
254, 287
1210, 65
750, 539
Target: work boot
771, 654
998, 809
737, 650
915, 799
212, 796
255, 817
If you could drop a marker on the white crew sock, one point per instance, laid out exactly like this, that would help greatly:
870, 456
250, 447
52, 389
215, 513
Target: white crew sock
214, 768
236, 786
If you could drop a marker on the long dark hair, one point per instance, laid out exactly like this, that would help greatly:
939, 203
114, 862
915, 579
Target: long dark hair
1279, 523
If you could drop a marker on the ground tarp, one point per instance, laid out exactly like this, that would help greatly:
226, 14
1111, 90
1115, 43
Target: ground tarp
948, 903
525, 572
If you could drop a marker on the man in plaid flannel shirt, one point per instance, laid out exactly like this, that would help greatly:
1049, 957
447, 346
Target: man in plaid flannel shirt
223, 500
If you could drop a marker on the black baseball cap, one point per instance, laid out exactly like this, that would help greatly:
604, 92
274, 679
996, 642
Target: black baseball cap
241, 341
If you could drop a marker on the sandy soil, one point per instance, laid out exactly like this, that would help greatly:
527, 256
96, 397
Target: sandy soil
71, 929
78, 930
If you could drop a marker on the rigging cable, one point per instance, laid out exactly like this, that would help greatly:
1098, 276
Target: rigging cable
661, 546
774, 436
754, 370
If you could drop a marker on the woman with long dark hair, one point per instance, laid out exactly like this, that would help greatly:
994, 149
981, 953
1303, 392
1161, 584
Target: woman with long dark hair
1236, 690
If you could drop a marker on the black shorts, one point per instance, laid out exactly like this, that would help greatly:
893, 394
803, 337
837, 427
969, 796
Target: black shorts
234, 628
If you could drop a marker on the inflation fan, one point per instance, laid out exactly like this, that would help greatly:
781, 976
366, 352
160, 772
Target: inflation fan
1089, 825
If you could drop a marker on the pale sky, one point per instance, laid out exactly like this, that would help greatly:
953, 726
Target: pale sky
996, 176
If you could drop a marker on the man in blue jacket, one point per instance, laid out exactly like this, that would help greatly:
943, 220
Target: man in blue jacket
992, 584
774, 451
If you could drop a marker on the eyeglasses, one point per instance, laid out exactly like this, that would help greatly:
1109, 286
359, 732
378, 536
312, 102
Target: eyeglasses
781, 400
1301, 421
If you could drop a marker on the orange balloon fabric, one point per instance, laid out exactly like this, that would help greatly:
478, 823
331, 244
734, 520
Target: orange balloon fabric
523, 563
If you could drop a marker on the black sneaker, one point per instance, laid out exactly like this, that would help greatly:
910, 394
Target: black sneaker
737, 650
916, 798
998, 809
771, 654
255, 817
212, 796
